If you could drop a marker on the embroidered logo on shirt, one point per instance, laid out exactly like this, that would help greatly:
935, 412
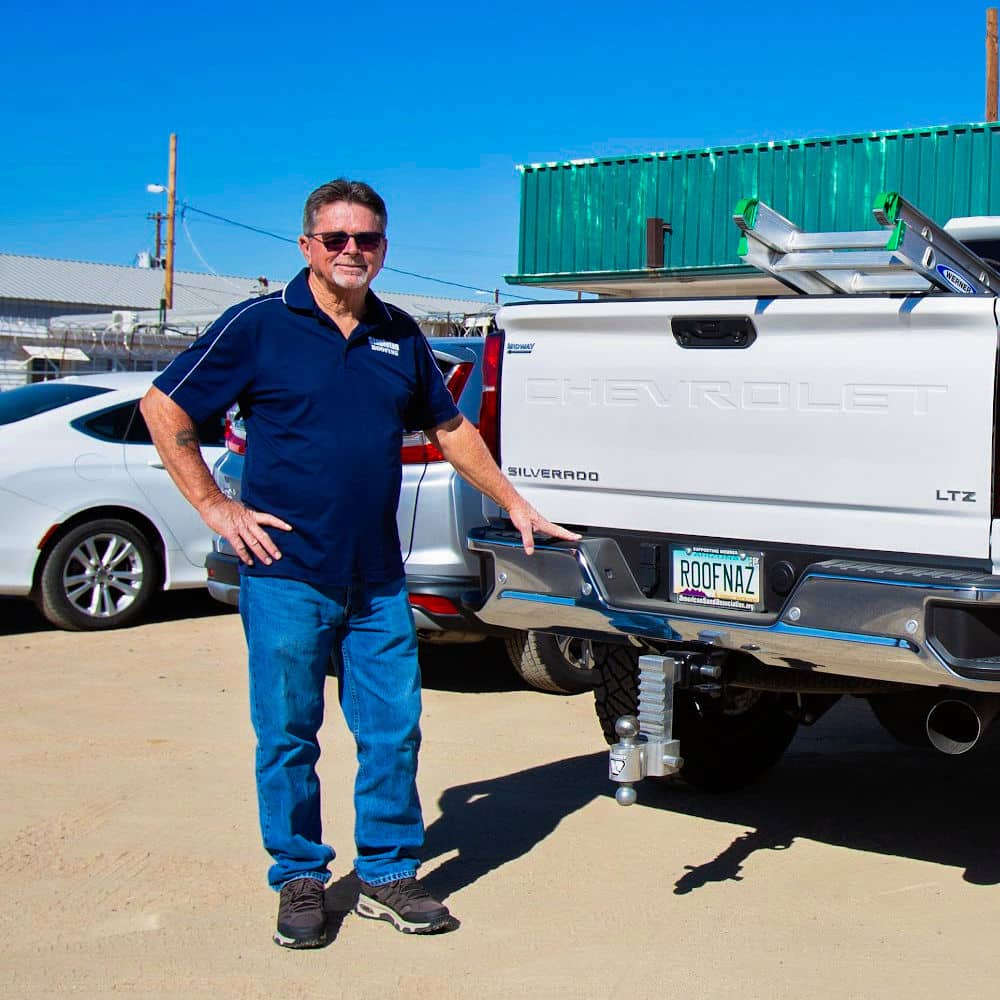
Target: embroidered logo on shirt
384, 346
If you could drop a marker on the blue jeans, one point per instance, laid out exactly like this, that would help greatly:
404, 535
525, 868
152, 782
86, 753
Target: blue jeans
292, 630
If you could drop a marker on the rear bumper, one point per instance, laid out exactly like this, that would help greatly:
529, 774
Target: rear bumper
461, 592
904, 624
223, 577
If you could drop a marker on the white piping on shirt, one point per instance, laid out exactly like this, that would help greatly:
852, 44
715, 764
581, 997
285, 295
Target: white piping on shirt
208, 350
385, 309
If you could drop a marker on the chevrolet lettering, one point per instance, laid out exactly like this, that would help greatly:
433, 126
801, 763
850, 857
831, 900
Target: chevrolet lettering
694, 394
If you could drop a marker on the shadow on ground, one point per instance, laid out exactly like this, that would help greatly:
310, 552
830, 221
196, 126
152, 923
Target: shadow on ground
872, 795
851, 785
19, 615
471, 668
338, 901
497, 820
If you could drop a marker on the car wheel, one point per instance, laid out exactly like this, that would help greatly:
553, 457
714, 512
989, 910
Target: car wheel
99, 575
558, 664
726, 742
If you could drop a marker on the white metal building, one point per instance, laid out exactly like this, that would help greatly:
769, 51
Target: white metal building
62, 316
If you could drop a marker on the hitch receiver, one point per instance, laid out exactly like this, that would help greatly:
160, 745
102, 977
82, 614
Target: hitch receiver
646, 745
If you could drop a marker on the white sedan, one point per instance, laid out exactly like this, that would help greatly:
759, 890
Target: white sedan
91, 525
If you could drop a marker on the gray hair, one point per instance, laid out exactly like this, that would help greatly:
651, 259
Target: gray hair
355, 192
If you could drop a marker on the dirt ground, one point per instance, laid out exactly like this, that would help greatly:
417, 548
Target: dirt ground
130, 862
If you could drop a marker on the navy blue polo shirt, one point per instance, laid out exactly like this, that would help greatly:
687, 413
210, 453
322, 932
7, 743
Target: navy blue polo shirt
325, 416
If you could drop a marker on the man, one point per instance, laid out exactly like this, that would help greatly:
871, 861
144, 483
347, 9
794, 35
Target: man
327, 377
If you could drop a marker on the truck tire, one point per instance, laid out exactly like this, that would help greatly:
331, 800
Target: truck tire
100, 575
558, 664
726, 742
904, 718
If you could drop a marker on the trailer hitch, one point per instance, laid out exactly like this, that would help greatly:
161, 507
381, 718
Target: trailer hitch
646, 746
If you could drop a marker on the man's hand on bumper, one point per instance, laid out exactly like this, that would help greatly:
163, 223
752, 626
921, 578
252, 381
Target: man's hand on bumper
527, 520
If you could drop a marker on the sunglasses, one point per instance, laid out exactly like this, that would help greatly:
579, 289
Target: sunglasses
335, 242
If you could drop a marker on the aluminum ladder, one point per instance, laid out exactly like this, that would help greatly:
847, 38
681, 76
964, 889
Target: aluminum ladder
909, 254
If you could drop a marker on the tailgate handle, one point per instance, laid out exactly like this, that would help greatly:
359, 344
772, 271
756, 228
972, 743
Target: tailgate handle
713, 332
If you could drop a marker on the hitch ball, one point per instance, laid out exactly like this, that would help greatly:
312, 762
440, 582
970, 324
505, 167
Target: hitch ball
626, 795
625, 765
627, 727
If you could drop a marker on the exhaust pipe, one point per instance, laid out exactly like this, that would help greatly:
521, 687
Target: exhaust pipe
955, 725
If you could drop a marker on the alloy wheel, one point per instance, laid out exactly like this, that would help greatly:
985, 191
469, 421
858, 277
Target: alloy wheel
103, 575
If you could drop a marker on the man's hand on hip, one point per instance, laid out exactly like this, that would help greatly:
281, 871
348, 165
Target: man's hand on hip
243, 529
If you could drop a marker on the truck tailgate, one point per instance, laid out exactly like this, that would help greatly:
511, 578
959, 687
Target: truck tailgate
859, 423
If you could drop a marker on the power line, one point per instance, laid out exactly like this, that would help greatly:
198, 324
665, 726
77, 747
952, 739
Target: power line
187, 207
199, 255
462, 251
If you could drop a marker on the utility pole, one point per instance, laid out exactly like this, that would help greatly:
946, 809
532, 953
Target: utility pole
168, 284
158, 218
991, 64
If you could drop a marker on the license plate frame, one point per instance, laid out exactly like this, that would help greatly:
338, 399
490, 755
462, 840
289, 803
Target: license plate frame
720, 577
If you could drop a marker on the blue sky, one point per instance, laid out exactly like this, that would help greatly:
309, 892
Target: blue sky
433, 104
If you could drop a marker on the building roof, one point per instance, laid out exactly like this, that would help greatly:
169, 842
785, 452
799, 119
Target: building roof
436, 306
46, 279
200, 296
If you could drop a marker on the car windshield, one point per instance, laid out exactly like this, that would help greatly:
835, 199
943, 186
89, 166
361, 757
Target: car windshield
30, 400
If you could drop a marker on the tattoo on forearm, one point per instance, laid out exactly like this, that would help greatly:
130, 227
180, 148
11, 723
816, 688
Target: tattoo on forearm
186, 439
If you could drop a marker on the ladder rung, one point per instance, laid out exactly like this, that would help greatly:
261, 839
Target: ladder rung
830, 260
863, 283
872, 239
910, 254
858, 282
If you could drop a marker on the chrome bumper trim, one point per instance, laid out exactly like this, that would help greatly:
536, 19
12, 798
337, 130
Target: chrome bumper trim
843, 617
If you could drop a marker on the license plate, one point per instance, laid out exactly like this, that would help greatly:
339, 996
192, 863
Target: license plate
716, 578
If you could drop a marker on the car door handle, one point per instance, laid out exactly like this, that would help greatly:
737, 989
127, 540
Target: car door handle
155, 463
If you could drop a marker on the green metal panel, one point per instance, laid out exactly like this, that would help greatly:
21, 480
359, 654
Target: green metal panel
587, 218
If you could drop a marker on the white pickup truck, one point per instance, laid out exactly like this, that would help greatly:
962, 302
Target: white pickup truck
782, 499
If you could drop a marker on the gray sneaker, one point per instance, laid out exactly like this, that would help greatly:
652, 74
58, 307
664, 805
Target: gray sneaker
301, 918
407, 905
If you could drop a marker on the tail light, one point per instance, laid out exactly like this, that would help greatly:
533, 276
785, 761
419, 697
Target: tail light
235, 441
489, 407
456, 379
417, 448
435, 604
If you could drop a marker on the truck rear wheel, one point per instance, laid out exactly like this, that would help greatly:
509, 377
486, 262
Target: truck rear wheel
726, 742
559, 664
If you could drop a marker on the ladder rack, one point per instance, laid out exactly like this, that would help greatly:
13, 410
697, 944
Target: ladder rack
909, 254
